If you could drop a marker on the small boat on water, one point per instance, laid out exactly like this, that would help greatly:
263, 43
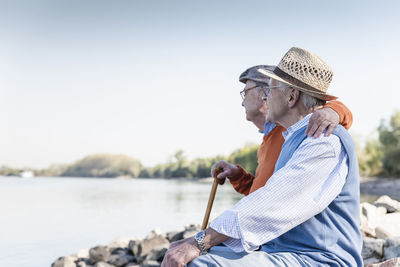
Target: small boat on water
27, 174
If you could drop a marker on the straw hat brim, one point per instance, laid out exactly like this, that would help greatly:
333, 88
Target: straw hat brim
319, 95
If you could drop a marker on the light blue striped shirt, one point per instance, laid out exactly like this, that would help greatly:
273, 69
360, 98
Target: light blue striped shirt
305, 186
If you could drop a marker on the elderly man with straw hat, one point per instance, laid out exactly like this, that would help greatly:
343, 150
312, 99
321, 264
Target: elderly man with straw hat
325, 117
308, 212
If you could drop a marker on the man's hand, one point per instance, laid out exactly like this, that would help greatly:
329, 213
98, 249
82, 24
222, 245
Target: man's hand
222, 170
181, 252
324, 118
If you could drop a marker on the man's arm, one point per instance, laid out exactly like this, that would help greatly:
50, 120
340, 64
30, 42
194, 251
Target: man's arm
305, 186
238, 177
328, 117
184, 251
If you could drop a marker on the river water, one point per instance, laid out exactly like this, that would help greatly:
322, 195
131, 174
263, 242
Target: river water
44, 218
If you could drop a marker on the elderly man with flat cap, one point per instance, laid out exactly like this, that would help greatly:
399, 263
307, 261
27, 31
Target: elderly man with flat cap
307, 214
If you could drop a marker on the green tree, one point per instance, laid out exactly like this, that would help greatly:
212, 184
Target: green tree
370, 158
246, 157
389, 137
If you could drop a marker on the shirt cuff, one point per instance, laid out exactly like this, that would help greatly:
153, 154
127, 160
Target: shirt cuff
228, 224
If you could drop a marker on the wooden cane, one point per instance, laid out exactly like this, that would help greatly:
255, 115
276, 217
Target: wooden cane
210, 200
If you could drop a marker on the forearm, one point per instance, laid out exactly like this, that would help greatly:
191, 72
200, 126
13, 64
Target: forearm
345, 115
213, 238
242, 182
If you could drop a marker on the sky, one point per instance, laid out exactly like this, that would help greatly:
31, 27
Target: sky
147, 78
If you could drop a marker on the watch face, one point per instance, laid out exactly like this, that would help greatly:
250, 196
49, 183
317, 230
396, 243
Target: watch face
200, 235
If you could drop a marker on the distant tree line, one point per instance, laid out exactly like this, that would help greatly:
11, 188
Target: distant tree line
178, 166
379, 157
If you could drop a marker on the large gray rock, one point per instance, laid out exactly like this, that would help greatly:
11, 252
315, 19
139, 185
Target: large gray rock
373, 214
120, 260
389, 263
389, 224
158, 252
83, 253
99, 253
390, 204
153, 240
391, 248
174, 236
67, 261
372, 248
120, 242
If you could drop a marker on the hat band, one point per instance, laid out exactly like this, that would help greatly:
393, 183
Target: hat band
295, 81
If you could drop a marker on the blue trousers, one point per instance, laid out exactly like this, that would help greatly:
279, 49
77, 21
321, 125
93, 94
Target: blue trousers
224, 256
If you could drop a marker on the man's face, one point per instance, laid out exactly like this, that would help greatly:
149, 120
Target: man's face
253, 101
276, 102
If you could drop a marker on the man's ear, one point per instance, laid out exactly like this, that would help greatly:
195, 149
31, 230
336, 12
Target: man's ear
293, 97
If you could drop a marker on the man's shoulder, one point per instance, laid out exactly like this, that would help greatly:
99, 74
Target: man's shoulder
330, 144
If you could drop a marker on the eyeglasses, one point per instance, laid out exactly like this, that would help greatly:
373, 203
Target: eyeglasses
266, 92
244, 91
268, 89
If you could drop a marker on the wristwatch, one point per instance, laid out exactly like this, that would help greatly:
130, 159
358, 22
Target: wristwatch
199, 238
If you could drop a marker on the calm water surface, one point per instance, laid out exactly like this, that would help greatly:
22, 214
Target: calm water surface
44, 218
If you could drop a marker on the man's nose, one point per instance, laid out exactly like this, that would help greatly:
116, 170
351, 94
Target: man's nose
243, 103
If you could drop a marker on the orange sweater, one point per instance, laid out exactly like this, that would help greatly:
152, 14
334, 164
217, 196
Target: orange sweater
269, 150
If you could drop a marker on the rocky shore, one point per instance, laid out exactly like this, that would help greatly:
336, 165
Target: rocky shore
380, 226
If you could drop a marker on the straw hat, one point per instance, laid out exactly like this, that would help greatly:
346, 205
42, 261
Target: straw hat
305, 71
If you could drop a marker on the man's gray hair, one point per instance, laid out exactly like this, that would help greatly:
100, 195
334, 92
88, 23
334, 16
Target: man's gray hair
308, 101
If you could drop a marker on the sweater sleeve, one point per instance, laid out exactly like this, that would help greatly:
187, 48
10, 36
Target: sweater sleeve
242, 181
345, 115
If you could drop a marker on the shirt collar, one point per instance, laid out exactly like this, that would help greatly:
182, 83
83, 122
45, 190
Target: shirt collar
296, 126
268, 127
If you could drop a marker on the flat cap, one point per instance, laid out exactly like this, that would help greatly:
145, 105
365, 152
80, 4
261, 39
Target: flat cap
254, 75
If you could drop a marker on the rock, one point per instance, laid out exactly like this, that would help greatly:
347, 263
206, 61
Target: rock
381, 233
364, 228
373, 214
120, 251
67, 261
83, 253
389, 224
120, 242
83, 264
134, 246
153, 240
132, 265
157, 253
391, 248
150, 264
389, 263
120, 260
191, 230
103, 264
371, 261
390, 204
99, 253
372, 248
174, 236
